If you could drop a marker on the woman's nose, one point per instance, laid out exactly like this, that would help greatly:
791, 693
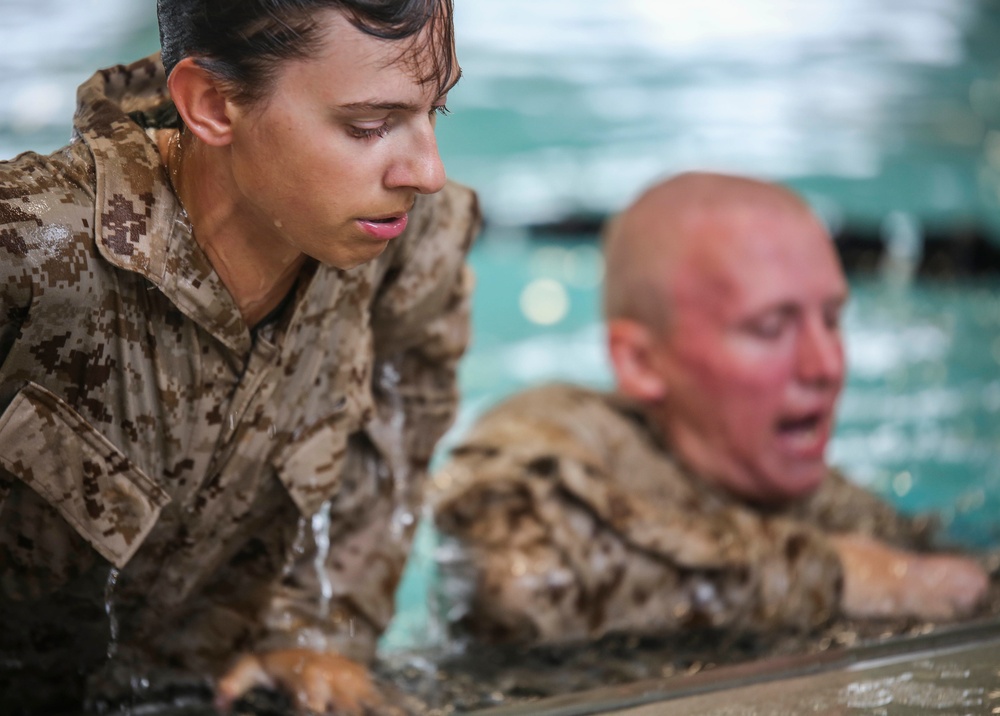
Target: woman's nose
419, 166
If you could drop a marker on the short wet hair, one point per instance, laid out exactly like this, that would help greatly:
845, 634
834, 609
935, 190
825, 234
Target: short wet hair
243, 42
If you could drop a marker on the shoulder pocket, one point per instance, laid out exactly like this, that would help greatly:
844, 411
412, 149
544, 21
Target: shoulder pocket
53, 450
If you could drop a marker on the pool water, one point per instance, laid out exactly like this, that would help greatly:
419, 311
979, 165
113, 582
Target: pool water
873, 110
919, 421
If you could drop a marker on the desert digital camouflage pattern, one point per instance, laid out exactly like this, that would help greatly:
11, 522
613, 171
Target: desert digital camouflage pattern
568, 520
173, 487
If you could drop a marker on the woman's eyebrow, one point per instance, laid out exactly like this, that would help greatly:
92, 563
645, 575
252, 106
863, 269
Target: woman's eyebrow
380, 106
375, 105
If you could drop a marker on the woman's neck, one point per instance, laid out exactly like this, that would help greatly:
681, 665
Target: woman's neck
258, 272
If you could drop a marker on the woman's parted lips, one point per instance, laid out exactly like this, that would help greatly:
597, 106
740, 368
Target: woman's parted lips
389, 216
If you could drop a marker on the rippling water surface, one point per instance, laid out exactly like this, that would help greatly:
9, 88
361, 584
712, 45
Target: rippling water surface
872, 109
572, 106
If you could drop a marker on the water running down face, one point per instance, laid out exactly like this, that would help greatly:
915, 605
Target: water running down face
329, 163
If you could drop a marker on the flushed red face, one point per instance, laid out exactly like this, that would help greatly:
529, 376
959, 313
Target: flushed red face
753, 361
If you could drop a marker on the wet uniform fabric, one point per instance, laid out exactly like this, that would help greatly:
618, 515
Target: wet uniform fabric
566, 519
175, 487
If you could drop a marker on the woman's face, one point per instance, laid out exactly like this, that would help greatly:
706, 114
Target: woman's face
331, 160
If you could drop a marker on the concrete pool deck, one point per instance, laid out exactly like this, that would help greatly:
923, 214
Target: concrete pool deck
953, 670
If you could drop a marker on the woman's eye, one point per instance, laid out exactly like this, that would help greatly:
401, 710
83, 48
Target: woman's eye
369, 132
442, 110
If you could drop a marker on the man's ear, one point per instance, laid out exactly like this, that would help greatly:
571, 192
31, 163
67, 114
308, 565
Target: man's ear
634, 358
200, 102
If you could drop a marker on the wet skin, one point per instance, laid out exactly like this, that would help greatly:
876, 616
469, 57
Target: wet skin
753, 361
327, 165
743, 369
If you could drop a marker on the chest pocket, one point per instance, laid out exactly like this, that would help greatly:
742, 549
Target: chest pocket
50, 448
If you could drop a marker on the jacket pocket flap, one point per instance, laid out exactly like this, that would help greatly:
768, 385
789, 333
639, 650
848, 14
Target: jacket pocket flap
310, 467
97, 490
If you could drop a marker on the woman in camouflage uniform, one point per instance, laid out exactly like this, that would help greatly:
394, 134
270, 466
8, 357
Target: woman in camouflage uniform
230, 314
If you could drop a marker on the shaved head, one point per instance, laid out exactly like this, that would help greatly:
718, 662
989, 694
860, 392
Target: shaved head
667, 226
723, 297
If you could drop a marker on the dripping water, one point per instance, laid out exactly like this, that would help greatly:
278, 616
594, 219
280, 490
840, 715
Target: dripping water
321, 535
298, 547
389, 380
109, 609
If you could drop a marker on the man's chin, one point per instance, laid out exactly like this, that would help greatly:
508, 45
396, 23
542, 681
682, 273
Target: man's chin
798, 481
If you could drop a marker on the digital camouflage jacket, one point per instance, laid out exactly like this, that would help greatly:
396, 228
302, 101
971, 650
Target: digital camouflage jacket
173, 487
568, 520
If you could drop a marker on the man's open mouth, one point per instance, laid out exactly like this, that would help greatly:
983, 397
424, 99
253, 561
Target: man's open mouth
800, 424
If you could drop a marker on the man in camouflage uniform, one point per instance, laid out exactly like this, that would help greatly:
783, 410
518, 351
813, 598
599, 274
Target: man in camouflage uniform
184, 475
697, 495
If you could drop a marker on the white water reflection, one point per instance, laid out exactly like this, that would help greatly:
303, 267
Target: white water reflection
47, 48
321, 535
570, 107
760, 31
601, 98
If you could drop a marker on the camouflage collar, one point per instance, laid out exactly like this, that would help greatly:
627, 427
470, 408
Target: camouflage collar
139, 224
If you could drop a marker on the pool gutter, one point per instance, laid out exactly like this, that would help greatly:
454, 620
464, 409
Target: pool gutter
614, 699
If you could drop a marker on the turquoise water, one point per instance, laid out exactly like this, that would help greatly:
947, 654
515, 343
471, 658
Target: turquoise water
919, 421
573, 106
570, 107
920, 418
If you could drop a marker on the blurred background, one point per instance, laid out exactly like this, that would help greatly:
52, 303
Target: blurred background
884, 114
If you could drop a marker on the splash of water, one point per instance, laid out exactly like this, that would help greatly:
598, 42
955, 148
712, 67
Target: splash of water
389, 380
298, 547
321, 534
109, 609
904, 247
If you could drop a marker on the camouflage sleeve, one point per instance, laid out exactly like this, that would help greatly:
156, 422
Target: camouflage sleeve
843, 506
16, 284
421, 325
420, 322
546, 548
41, 198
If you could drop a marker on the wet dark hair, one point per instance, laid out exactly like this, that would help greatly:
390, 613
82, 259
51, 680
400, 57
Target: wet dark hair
243, 42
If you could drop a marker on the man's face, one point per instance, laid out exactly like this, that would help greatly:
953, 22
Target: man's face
753, 361
330, 161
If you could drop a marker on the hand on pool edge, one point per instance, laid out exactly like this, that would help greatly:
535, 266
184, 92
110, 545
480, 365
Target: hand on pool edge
884, 581
317, 682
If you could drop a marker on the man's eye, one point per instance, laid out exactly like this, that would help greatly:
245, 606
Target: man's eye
768, 328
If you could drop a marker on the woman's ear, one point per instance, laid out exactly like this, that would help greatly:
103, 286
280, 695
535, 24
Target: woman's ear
201, 103
635, 360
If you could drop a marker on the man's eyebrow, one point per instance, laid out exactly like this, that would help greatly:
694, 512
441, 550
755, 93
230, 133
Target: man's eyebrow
378, 106
840, 300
